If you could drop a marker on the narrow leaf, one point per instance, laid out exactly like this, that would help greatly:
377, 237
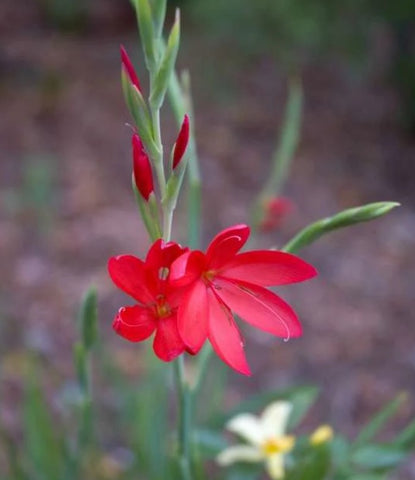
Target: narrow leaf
406, 439
89, 318
378, 456
343, 219
159, 14
44, 448
300, 397
139, 111
81, 366
145, 25
166, 69
379, 420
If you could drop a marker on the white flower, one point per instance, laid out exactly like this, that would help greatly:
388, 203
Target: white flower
267, 441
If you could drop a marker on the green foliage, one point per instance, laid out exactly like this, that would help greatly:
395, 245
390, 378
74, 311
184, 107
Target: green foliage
89, 319
65, 15
43, 444
342, 219
35, 198
290, 29
379, 420
295, 31
166, 66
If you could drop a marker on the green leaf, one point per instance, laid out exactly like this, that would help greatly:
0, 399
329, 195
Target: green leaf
165, 71
145, 417
340, 451
406, 439
139, 111
300, 397
89, 318
11, 451
287, 143
367, 476
158, 8
313, 466
379, 420
378, 456
81, 366
343, 219
43, 446
209, 442
146, 27
244, 471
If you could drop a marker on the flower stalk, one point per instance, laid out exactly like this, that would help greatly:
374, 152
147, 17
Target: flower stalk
160, 61
342, 219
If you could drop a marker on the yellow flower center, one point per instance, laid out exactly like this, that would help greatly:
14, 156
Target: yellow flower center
162, 307
282, 444
209, 275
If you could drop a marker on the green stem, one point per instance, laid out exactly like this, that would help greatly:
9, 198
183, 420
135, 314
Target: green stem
181, 102
167, 223
342, 219
203, 362
158, 161
185, 415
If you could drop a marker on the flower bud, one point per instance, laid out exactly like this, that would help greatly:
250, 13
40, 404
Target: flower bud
181, 142
274, 211
322, 434
143, 175
127, 66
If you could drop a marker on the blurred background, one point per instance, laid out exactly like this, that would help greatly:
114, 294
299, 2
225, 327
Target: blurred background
66, 203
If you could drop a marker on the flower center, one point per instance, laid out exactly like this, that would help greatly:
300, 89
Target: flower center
283, 444
162, 307
209, 275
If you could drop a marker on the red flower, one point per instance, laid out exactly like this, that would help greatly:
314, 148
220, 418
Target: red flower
147, 283
128, 68
274, 211
143, 175
223, 280
181, 142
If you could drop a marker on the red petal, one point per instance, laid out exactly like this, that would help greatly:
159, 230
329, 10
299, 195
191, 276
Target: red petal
134, 323
128, 273
181, 142
268, 267
224, 335
187, 268
226, 245
162, 254
128, 66
259, 307
193, 317
167, 343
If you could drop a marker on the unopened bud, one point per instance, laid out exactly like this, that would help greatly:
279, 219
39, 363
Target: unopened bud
322, 434
143, 175
274, 211
181, 142
128, 68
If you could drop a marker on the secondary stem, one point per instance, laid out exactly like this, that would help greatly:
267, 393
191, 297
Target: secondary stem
184, 411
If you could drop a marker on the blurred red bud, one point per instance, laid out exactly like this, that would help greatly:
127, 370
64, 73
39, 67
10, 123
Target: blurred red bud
181, 142
128, 68
274, 211
143, 175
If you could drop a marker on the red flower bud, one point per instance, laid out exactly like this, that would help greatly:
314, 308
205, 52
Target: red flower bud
275, 210
128, 68
181, 142
143, 175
